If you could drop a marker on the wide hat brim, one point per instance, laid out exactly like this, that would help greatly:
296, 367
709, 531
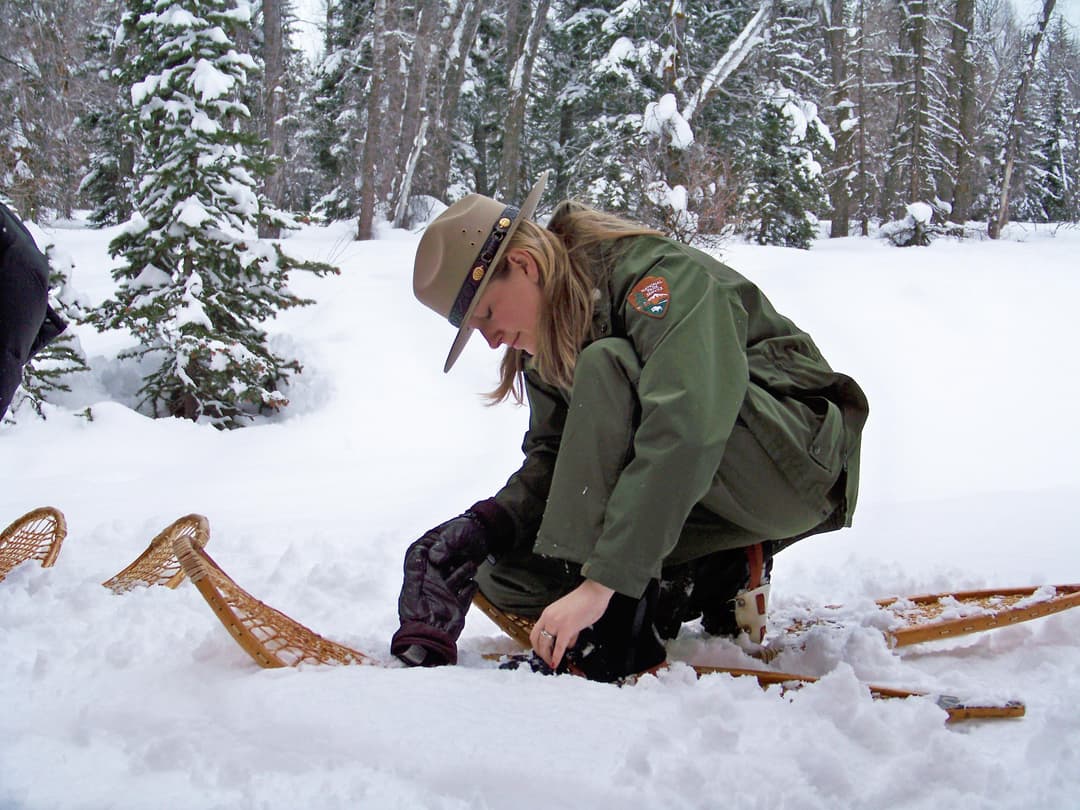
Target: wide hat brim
526, 211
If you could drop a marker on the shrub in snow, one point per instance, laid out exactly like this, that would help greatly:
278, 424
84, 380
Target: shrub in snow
674, 204
918, 228
197, 280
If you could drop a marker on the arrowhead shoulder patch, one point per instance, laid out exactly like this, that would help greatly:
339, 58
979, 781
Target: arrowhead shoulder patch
651, 296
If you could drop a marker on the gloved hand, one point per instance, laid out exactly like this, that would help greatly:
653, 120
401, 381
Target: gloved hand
439, 583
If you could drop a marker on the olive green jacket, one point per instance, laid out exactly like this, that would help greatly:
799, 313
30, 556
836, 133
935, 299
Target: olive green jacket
712, 350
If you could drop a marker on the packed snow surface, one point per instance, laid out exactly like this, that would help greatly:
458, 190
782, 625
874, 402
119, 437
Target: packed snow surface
970, 479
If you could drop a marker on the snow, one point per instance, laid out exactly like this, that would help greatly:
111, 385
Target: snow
969, 480
192, 213
920, 212
662, 118
209, 82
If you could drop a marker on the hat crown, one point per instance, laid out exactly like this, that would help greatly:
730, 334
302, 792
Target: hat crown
458, 252
449, 248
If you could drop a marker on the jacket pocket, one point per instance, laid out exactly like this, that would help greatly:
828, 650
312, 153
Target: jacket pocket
827, 443
803, 436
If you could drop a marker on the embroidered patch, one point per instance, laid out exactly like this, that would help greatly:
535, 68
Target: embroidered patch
650, 297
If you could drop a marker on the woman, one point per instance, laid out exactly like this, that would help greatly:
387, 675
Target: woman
681, 431
27, 322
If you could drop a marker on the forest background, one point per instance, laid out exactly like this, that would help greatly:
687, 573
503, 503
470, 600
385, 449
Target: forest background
196, 121
692, 115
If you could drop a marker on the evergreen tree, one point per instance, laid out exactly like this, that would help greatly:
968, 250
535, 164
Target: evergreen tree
785, 176
610, 58
45, 87
338, 104
917, 160
197, 281
1050, 193
109, 184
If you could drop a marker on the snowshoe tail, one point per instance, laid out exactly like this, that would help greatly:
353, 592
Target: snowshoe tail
945, 615
37, 535
158, 565
267, 635
955, 708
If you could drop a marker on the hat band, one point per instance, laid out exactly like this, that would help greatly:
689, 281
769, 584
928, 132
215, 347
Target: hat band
481, 265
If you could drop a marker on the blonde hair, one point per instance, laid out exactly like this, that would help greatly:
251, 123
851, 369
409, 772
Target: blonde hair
574, 254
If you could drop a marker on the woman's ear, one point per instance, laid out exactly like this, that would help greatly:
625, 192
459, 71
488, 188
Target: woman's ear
521, 259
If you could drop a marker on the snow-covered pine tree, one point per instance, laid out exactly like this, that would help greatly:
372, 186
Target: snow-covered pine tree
916, 156
784, 149
1051, 193
337, 105
483, 101
43, 89
197, 281
610, 56
786, 185
1017, 123
109, 184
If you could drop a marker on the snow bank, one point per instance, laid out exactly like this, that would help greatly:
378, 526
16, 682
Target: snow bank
969, 480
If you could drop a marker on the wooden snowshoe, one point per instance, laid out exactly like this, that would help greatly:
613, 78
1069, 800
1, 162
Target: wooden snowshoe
157, 565
37, 535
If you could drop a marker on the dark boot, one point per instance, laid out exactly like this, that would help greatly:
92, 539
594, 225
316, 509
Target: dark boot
623, 641
720, 578
676, 604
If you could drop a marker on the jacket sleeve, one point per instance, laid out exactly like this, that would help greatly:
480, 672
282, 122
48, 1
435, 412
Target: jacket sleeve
693, 381
524, 496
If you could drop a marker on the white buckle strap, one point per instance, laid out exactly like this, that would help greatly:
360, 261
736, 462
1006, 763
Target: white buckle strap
751, 608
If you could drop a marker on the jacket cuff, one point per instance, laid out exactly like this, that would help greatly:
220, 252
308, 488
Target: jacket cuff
616, 577
498, 524
419, 644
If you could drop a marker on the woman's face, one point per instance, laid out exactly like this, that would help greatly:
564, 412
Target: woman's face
508, 313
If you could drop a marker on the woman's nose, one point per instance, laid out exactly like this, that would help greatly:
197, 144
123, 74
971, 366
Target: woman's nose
492, 338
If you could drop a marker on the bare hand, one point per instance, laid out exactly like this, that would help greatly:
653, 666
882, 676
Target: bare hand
558, 626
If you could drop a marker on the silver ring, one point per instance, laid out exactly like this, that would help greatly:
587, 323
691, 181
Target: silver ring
546, 634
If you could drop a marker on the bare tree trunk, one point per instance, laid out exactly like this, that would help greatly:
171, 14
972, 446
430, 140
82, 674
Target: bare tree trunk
450, 72
399, 31
511, 165
368, 191
916, 25
863, 171
415, 115
273, 108
408, 173
962, 77
1016, 120
836, 41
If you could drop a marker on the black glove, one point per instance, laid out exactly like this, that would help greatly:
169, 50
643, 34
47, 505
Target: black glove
439, 583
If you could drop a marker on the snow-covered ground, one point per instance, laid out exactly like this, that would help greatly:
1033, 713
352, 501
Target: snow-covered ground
970, 478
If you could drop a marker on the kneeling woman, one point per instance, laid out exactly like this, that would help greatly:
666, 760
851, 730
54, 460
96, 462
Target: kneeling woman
681, 432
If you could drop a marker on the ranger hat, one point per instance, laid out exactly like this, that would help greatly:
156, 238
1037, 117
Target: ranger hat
458, 250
